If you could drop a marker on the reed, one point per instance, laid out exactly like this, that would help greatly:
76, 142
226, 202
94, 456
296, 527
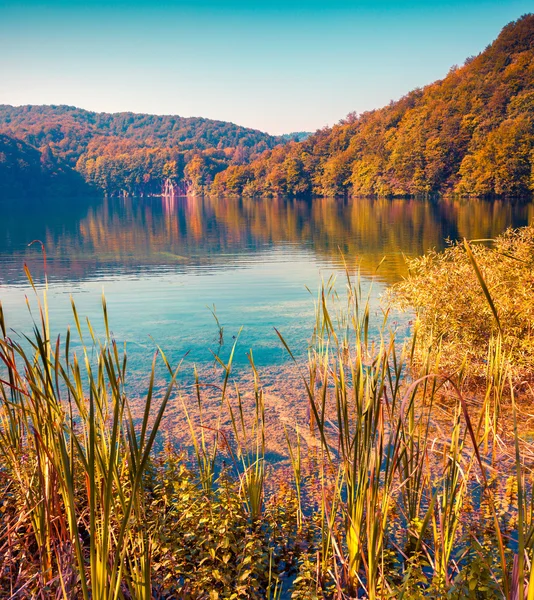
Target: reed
407, 482
77, 461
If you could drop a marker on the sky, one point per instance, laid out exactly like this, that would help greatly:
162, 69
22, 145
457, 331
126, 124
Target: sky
278, 66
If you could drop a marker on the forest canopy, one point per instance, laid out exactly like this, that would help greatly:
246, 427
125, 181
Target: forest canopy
127, 153
25, 172
471, 133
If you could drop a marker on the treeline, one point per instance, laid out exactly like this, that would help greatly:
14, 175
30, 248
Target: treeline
471, 133
25, 172
127, 153
122, 166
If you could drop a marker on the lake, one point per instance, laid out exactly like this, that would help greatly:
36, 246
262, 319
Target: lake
163, 264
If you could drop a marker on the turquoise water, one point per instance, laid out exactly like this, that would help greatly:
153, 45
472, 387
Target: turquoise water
163, 263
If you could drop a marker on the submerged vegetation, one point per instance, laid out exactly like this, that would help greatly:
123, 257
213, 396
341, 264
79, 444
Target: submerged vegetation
406, 482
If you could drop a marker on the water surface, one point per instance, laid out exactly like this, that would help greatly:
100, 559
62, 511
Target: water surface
162, 263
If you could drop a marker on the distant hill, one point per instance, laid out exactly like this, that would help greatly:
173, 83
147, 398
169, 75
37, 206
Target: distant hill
26, 172
135, 153
471, 133
296, 136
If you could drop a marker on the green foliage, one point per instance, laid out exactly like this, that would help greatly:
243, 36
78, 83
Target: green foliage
471, 133
27, 173
207, 547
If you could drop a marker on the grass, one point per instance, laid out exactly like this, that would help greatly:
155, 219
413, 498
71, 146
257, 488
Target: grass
406, 482
461, 316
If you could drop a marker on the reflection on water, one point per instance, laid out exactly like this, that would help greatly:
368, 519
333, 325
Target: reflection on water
162, 261
129, 236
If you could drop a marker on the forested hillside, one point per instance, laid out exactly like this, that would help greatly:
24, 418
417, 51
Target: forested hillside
135, 153
25, 172
471, 133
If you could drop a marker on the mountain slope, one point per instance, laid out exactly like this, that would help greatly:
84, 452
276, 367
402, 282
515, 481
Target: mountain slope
69, 130
25, 172
471, 133
136, 153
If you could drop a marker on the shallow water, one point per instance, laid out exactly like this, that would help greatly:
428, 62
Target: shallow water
162, 263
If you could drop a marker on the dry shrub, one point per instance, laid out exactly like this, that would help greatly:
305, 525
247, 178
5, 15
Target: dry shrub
448, 298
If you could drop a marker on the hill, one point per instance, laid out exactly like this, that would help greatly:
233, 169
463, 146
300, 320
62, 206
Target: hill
471, 133
296, 136
135, 153
25, 172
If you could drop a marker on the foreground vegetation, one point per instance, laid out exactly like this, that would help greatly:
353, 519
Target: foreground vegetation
445, 289
404, 483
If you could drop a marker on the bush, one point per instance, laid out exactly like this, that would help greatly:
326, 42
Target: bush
452, 308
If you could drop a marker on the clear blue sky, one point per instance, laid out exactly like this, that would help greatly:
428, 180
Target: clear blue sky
278, 66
